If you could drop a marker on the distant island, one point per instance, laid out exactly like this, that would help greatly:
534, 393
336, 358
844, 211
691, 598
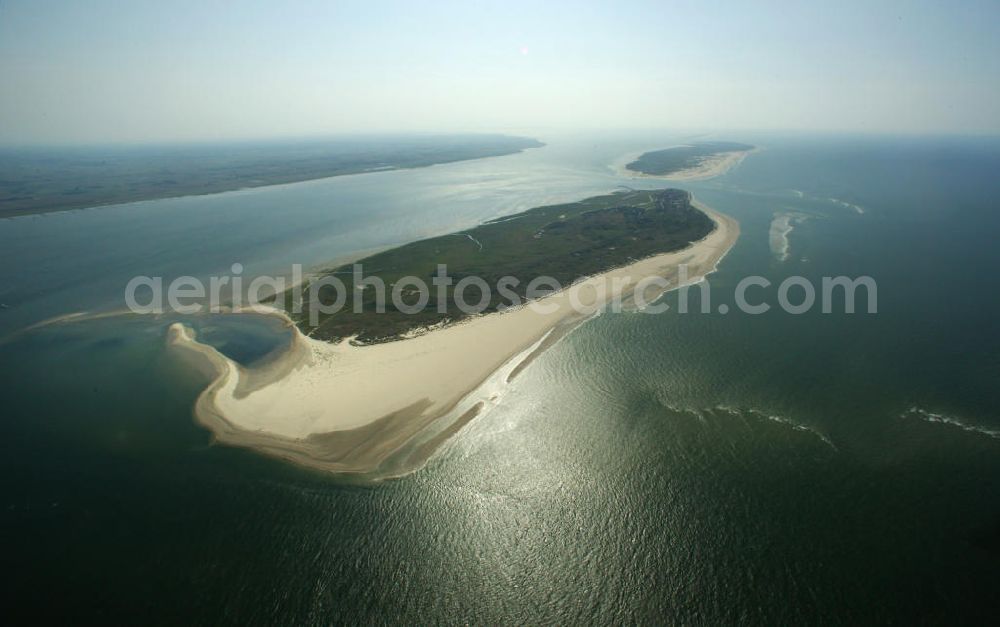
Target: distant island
40, 180
381, 409
690, 161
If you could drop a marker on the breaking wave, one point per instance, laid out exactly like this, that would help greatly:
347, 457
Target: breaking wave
927, 416
836, 201
847, 205
703, 415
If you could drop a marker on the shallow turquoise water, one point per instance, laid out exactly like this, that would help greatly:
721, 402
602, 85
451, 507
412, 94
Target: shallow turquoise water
650, 468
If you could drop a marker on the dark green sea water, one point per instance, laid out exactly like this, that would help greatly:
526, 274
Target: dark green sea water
698, 468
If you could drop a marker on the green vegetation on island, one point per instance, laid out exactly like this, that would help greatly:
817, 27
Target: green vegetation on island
565, 242
40, 180
679, 158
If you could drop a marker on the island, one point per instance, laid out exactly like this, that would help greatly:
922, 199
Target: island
373, 395
45, 179
565, 242
690, 161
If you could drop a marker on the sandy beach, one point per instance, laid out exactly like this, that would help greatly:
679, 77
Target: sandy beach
382, 410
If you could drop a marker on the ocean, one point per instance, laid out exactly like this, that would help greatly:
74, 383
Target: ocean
671, 468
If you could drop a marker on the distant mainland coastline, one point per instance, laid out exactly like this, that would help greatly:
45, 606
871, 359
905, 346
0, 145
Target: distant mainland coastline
42, 180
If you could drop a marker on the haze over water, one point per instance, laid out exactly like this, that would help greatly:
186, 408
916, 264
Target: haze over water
691, 468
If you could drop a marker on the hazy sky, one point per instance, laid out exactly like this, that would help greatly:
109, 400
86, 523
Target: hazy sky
84, 70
